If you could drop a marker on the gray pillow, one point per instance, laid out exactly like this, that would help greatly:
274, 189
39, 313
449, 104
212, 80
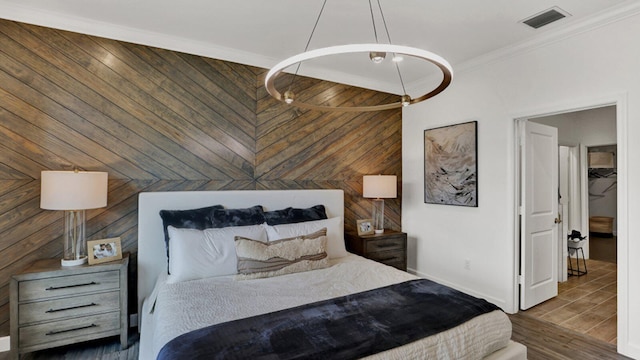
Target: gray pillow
295, 215
237, 217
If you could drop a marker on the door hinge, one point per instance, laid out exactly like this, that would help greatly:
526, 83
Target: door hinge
520, 279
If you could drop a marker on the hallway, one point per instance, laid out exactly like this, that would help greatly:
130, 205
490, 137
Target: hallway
586, 304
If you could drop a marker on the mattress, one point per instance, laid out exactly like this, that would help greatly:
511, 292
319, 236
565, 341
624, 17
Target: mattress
175, 309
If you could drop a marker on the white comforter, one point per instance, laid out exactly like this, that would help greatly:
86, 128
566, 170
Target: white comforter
186, 306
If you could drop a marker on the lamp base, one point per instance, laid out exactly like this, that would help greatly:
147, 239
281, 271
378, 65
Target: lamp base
74, 262
377, 213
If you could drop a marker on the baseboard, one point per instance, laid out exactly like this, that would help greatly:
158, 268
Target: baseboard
5, 344
496, 301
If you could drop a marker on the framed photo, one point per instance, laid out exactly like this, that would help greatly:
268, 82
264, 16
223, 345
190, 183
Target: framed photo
450, 165
104, 250
365, 226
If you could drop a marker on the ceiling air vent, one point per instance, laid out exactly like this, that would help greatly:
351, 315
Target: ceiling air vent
546, 17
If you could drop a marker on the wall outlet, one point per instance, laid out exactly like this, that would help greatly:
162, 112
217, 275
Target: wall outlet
467, 264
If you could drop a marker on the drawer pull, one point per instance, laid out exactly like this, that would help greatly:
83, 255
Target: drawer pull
74, 329
71, 308
382, 246
70, 286
387, 259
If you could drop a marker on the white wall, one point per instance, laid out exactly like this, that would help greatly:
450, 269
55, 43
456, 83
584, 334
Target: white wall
588, 127
590, 68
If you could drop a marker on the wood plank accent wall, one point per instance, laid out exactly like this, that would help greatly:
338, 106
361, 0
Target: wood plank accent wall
159, 120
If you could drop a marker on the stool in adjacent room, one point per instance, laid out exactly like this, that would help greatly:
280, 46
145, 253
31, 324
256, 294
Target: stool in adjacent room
576, 247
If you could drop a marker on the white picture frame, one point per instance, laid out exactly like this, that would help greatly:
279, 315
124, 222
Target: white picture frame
365, 227
104, 250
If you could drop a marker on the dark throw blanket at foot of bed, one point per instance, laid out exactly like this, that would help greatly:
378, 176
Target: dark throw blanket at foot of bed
347, 327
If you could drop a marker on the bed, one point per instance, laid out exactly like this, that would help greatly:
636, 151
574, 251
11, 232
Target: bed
170, 310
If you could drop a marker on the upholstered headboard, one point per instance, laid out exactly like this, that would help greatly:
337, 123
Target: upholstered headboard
152, 257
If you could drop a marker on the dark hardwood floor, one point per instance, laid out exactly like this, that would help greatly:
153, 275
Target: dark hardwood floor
545, 340
104, 349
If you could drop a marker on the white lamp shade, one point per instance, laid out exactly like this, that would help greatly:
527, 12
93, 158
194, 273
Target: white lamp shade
380, 186
73, 190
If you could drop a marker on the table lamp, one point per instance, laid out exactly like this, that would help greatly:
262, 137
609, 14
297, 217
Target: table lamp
74, 192
379, 187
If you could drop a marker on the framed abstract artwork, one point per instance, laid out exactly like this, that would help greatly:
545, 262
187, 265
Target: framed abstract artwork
451, 165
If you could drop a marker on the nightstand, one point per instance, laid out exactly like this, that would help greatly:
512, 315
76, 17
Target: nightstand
53, 305
389, 248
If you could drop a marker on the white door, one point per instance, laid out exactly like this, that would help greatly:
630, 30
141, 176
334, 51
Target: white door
539, 214
564, 209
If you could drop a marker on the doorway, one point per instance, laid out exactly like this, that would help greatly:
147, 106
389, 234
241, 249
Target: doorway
602, 186
580, 130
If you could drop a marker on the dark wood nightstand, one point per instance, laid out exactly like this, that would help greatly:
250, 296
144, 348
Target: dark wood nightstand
52, 305
389, 248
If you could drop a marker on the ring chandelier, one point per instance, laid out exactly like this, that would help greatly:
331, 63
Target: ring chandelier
377, 53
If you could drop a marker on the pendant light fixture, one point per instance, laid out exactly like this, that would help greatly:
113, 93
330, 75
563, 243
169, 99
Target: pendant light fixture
377, 54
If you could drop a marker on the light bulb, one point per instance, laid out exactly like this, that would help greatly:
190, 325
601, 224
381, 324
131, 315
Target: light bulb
405, 100
289, 96
377, 57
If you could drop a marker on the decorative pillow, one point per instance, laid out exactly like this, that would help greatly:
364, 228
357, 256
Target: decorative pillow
294, 215
316, 212
335, 234
197, 254
257, 259
276, 217
186, 219
238, 217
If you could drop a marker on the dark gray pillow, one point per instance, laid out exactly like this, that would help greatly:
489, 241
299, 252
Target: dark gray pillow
238, 217
295, 215
187, 219
277, 217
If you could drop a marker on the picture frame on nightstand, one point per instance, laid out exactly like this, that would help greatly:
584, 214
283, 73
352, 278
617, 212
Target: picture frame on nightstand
104, 250
364, 226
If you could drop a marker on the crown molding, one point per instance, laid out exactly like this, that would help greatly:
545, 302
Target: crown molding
606, 17
39, 17
34, 16
30, 15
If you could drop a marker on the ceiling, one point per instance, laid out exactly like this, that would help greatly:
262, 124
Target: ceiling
262, 33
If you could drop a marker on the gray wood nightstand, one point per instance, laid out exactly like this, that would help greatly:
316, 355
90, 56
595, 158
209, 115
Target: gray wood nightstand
53, 305
389, 248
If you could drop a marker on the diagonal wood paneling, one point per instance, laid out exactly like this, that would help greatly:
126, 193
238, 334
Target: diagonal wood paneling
159, 120
310, 149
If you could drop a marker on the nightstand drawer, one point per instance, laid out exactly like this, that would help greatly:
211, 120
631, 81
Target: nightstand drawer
389, 248
68, 285
53, 305
385, 245
69, 307
399, 264
58, 331
387, 256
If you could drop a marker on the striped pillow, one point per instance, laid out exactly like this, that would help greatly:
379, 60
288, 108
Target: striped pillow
257, 259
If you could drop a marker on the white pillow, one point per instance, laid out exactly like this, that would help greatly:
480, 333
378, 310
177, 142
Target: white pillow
335, 234
197, 254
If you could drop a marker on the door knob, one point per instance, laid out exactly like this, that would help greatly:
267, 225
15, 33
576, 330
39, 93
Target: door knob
558, 220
